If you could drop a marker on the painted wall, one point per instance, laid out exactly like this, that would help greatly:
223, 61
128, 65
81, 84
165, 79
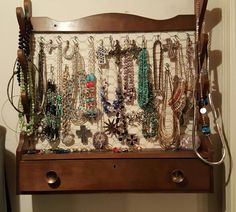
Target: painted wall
72, 9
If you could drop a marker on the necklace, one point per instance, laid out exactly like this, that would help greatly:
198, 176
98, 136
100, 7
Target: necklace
150, 121
91, 102
178, 90
27, 121
100, 139
158, 85
146, 98
68, 108
51, 122
143, 88
190, 76
168, 139
108, 106
40, 88
128, 73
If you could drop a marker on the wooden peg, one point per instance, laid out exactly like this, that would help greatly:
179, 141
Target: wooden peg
23, 62
26, 104
200, 10
22, 58
28, 8
21, 19
203, 48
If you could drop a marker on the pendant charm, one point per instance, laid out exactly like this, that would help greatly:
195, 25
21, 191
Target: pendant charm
100, 140
102, 52
84, 134
132, 140
69, 139
111, 128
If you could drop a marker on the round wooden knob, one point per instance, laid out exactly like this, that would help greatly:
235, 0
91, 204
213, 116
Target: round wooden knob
52, 177
177, 176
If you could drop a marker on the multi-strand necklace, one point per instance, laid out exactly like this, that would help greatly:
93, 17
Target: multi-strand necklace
146, 97
167, 139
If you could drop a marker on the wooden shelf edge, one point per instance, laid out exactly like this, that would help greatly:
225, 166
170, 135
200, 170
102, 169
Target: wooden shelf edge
149, 154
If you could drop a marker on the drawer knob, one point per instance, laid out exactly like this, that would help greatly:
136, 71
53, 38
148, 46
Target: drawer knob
52, 177
177, 176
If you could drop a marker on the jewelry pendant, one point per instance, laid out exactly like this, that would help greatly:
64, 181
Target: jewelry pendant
100, 140
84, 134
117, 53
171, 47
111, 127
132, 140
102, 52
69, 139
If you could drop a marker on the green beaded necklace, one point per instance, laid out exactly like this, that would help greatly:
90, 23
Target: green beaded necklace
146, 98
143, 91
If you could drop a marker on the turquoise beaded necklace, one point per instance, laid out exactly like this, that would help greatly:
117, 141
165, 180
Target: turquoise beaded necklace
143, 91
146, 98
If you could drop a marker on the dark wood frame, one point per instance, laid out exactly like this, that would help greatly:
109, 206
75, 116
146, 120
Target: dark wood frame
38, 174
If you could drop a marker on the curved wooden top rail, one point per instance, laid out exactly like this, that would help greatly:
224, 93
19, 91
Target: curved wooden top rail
114, 22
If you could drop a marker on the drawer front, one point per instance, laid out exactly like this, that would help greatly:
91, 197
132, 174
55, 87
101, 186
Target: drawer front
167, 175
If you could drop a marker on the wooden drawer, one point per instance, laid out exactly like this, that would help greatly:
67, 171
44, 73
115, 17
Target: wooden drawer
83, 175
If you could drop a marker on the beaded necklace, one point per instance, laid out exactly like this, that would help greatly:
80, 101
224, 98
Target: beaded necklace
27, 125
40, 89
91, 102
146, 97
108, 106
52, 121
143, 88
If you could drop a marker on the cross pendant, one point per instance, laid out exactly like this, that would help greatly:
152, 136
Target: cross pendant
117, 53
83, 133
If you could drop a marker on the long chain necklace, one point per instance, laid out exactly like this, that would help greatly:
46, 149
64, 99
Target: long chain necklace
168, 140
190, 76
158, 85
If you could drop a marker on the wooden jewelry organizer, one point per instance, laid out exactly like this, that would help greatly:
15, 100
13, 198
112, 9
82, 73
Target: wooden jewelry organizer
149, 170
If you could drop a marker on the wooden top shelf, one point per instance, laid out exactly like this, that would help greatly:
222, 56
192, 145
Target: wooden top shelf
114, 22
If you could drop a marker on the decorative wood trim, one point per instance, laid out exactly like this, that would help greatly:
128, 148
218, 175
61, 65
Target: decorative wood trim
107, 22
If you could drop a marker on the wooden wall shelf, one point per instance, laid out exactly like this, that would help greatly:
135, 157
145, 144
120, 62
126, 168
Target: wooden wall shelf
144, 171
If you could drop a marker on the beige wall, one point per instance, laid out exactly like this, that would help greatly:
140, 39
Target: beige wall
123, 202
